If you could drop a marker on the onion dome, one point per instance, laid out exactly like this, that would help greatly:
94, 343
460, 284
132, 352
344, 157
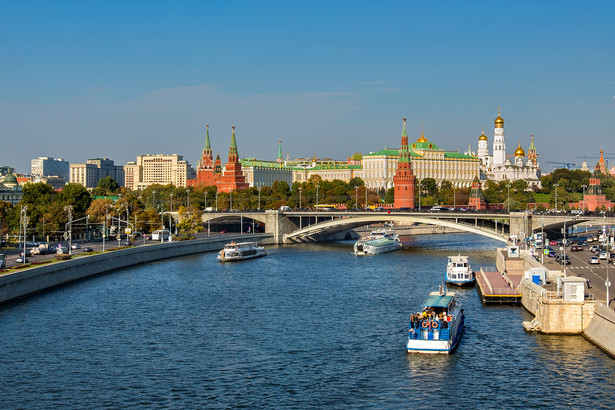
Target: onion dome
483, 137
519, 151
499, 122
422, 138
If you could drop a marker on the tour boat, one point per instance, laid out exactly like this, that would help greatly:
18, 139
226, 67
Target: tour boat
458, 271
437, 328
240, 251
379, 241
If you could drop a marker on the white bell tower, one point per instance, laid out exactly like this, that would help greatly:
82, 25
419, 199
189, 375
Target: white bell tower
499, 145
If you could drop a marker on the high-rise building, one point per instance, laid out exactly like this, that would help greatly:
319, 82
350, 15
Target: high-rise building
157, 169
95, 169
49, 166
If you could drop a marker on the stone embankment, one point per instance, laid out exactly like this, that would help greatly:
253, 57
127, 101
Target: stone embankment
601, 329
28, 281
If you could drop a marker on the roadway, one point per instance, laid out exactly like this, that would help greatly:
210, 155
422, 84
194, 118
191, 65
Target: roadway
579, 266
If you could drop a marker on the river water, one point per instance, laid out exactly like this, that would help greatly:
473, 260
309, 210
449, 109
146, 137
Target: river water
307, 326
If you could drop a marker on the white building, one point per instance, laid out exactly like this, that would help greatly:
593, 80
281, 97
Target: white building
157, 169
94, 170
48, 166
263, 173
498, 167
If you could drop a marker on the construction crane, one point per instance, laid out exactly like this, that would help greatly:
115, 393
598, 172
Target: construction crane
568, 165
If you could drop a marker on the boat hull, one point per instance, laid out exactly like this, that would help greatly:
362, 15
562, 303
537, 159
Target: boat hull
240, 258
462, 283
435, 346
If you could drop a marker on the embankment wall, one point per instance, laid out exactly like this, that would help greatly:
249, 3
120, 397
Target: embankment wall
28, 281
601, 329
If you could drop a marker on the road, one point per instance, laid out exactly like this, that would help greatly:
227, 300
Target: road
12, 253
579, 266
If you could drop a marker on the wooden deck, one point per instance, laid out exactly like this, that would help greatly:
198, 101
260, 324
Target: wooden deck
497, 288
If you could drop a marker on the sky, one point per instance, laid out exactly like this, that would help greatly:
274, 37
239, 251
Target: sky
117, 79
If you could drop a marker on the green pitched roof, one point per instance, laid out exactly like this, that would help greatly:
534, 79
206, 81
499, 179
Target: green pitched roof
423, 145
207, 144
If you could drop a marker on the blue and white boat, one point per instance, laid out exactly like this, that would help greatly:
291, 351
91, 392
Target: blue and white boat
379, 241
437, 328
459, 272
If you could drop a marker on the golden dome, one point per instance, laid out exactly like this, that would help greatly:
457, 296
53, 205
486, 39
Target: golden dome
499, 122
483, 137
422, 138
519, 151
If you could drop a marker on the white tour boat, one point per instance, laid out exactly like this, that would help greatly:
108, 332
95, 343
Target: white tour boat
379, 241
438, 327
458, 271
240, 251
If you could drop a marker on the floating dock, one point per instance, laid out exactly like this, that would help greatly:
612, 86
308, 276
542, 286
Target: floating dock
497, 288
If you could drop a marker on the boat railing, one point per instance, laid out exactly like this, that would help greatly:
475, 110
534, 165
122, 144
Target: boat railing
429, 334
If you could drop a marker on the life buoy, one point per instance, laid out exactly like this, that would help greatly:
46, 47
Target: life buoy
434, 324
425, 324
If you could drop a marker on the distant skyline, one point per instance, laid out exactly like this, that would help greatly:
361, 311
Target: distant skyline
119, 79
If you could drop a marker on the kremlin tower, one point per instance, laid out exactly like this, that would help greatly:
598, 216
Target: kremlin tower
233, 178
403, 181
483, 150
477, 199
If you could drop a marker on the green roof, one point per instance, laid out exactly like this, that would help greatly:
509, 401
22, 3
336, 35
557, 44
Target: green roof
387, 151
450, 154
253, 162
325, 167
423, 145
438, 301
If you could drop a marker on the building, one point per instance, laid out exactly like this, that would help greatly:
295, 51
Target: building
95, 169
594, 199
498, 167
403, 181
328, 172
259, 173
48, 166
210, 172
157, 169
428, 161
10, 191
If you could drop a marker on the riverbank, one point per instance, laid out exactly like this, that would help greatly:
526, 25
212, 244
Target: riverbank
38, 278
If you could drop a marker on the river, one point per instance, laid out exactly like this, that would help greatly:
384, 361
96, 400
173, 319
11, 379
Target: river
307, 326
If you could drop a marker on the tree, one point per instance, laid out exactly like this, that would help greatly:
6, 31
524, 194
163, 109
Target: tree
77, 196
106, 186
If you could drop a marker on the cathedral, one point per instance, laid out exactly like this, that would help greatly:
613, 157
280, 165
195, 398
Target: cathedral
499, 167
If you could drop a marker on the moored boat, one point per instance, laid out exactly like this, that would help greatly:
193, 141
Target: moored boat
379, 241
437, 328
459, 272
240, 251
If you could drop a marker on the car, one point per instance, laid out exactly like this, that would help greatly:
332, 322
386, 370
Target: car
127, 243
28, 253
603, 255
75, 246
553, 242
223, 231
576, 248
564, 260
87, 249
21, 260
594, 249
594, 260
552, 254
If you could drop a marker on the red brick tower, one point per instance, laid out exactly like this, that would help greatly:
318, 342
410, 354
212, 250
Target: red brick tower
477, 199
205, 168
403, 181
233, 178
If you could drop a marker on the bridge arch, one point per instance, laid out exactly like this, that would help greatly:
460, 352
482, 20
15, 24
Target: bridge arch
338, 225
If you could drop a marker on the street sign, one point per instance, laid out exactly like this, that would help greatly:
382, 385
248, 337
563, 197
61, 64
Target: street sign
65, 235
607, 284
545, 251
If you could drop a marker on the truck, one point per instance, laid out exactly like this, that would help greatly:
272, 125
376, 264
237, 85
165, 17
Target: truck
539, 240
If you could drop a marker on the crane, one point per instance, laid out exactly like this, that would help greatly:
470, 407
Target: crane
568, 165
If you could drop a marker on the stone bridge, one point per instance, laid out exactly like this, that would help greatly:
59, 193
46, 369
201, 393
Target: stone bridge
314, 226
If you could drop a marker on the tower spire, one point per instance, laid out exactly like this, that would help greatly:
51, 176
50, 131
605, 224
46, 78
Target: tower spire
232, 153
207, 144
280, 158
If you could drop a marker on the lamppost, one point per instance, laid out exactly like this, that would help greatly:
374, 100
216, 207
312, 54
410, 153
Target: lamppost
188, 196
508, 201
216, 201
154, 199
259, 197
230, 195
24, 223
317, 186
170, 216
455, 197
419, 195
556, 186
300, 189
69, 208
365, 196
583, 210
356, 197
205, 192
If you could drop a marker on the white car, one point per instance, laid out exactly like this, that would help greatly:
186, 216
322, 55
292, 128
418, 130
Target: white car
603, 255
594, 260
75, 246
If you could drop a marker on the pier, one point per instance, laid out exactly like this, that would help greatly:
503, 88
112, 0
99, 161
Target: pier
496, 288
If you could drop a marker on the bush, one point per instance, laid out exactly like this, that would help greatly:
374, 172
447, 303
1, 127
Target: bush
62, 257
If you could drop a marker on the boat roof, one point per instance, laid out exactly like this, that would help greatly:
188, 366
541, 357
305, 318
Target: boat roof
241, 243
458, 258
435, 299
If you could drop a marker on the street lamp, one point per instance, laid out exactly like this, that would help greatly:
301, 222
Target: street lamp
259, 197
455, 197
69, 208
230, 195
300, 189
24, 222
556, 186
216, 201
583, 210
419, 195
317, 186
356, 197
508, 186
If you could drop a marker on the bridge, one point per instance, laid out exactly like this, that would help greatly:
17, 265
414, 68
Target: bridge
316, 226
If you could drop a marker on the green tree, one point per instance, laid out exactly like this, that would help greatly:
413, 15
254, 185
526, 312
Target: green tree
106, 186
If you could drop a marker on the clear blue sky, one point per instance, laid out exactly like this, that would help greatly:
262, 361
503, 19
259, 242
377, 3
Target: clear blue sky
83, 79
